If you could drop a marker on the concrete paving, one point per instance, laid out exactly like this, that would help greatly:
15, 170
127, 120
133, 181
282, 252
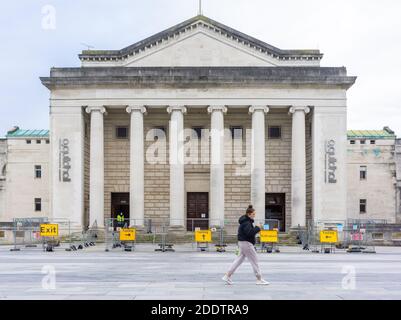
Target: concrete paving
187, 274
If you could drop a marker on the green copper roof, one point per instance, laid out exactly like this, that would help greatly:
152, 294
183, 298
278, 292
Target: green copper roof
370, 134
19, 133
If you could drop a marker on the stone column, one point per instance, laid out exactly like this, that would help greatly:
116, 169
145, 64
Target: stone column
96, 173
176, 157
258, 184
298, 167
137, 166
216, 215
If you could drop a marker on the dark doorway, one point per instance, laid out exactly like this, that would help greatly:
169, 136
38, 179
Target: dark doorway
120, 203
197, 210
275, 208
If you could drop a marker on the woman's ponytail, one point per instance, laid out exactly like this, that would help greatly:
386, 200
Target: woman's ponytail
250, 209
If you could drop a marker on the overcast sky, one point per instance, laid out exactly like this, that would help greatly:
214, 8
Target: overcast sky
363, 35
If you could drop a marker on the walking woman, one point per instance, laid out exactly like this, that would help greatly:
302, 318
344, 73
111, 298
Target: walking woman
246, 242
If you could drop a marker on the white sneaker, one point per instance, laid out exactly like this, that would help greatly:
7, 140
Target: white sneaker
262, 282
227, 279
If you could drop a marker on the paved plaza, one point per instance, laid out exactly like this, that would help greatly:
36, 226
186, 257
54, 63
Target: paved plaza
93, 273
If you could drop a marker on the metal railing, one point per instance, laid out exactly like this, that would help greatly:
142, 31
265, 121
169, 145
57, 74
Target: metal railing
166, 234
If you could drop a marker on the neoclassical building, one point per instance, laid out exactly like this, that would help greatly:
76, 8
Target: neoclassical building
127, 128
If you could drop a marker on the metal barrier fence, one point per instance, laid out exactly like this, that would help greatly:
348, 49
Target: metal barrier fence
363, 235
324, 235
163, 233
268, 239
354, 235
204, 234
45, 234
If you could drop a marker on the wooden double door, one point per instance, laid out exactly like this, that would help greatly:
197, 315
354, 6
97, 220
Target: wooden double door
197, 210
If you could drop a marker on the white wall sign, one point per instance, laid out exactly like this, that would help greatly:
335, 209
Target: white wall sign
331, 162
64, 160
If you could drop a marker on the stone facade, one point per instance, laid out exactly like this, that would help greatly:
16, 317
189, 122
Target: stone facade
377, 155
398, 174
21, 184
197, 168
3, 168
199, 73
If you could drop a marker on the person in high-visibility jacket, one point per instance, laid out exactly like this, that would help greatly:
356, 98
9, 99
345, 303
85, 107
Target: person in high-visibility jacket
120, 219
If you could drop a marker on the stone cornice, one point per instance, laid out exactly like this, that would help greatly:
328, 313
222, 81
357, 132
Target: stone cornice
197, 76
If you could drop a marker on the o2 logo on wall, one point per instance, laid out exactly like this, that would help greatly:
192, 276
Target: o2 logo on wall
64, 160
330, 162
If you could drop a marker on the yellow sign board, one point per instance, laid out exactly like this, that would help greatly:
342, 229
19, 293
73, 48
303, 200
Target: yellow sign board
49, 230
328, 236
269, 236
127, 234
203, 236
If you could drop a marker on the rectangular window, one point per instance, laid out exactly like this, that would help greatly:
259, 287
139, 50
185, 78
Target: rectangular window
28, 141
197, 132
362, 206
363, 172
352, 142
274, 132
38, 141
372, 141
122, 132
38, 204
47, 141
236, 132
363, 141
38, 172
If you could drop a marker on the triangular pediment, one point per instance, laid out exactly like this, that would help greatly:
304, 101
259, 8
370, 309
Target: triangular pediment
199, 42
199, 49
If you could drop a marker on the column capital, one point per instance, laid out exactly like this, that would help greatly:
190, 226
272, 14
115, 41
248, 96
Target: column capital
183, 109
210, 109
265, 109
96, 108
141, 109
293, 109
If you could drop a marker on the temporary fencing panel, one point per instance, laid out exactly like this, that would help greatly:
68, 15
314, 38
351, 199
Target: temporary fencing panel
360, 234
325, 235
269, 235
